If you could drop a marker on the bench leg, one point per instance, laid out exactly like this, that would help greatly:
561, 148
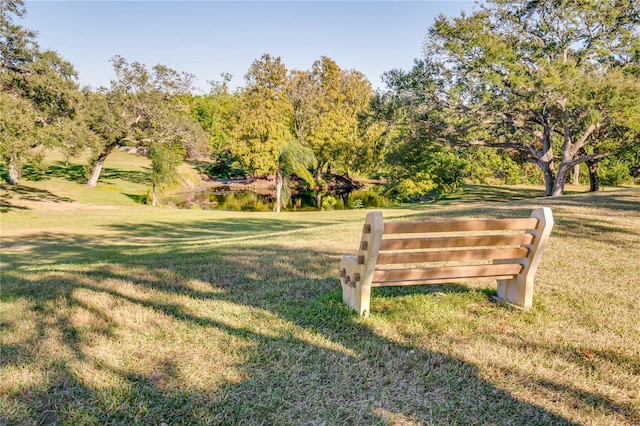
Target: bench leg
354, 294
518, 291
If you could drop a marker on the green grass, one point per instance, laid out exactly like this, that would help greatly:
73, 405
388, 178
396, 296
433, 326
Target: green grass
112, 312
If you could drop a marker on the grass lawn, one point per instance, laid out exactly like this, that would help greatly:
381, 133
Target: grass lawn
112, 312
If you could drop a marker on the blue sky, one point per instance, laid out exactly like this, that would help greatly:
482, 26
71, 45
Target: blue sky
207, 38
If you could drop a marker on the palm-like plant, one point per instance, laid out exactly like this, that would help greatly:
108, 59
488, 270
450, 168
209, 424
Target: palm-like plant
294, 159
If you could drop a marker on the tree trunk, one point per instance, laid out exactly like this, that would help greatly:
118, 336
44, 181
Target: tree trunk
154, 197
97, 168
278, 191
545, 160
594, 180
319, 200
576, 174
549, 177
319, 173
561, 180
14, 174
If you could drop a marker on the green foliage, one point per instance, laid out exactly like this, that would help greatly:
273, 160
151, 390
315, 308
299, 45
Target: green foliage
543, 79
420, 168
39, 94
328, 104
412, 189
297, 159
217, 113
141, 108
165, 158
224, 166
614, 173
329, 202
294, 159
367, 198
17, 127
265, 117
495, 167
357, 204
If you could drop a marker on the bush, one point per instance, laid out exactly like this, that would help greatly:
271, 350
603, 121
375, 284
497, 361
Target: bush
614, 174
492, 167
328, 202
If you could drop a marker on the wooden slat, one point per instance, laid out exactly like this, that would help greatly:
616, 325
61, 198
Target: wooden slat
451, 255
456, 242
460, 225
449, 272
440, 281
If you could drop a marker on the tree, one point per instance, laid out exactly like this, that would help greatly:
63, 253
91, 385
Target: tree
265, 117
294, 159
17, 125
217, 113
142, 107
542, 78
418, 160
165, 159
39, 94
328, 103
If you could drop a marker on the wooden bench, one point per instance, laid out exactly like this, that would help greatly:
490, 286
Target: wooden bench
437, 252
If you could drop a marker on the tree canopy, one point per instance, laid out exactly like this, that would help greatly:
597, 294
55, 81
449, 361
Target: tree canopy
555, 82
142, 107
265, 117
548, 84
39, 94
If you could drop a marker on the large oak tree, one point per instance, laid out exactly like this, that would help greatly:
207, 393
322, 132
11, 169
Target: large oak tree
39, 95
555, 81
142, 107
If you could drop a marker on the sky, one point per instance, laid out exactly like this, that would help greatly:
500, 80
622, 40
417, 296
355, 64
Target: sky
208, 38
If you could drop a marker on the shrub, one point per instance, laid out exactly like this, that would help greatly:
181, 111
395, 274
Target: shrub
614, 174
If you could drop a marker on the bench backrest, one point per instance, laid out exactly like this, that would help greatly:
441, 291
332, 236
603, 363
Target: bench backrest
431, 252
443, 251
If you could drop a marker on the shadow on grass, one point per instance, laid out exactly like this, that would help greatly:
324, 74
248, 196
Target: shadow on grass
176, 296
71, 172
77, 173
18, 192
602, 223
492, 194
140, 177
306, 356
621, 201
608, 210
346, 374
140, 199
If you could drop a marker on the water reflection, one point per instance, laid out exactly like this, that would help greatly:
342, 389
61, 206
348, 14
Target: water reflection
225, 199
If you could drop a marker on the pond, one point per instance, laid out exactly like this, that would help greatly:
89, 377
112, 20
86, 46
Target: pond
223, 198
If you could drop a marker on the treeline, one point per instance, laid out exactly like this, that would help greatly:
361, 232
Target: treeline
515, 92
